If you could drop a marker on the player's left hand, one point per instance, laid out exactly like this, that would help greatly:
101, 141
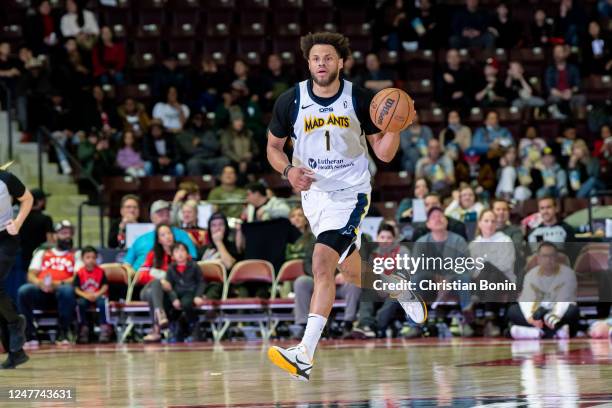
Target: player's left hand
13, 227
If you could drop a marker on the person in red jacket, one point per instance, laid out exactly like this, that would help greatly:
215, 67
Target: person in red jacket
108, 59
90, 288
152, 275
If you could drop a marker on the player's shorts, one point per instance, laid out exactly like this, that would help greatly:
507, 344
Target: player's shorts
335, 217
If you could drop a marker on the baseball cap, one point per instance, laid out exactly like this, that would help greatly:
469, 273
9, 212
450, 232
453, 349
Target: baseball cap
63, 224
39, 194
159, 205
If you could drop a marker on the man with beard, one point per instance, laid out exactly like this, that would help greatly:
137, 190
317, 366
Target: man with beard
50, 277
329, 124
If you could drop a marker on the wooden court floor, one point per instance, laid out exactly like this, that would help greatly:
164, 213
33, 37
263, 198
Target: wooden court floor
381, 373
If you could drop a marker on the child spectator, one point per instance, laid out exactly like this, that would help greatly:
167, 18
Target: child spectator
90, 288
186, 290
129, 158
583, 171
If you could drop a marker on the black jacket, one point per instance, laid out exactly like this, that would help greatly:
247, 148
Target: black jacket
190, 281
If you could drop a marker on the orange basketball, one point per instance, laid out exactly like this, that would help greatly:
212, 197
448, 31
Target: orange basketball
392, 110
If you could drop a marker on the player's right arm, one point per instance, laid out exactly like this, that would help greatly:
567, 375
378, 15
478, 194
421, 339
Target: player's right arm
280, 127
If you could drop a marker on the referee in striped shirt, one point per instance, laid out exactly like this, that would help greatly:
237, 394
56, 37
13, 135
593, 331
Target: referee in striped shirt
12, 325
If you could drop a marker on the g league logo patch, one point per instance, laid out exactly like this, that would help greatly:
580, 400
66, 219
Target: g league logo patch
312, 163
345, 104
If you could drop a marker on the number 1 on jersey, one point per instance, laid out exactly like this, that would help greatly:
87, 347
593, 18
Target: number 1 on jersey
327, 144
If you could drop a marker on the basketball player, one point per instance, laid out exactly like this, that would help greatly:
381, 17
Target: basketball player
328, 121
12, 325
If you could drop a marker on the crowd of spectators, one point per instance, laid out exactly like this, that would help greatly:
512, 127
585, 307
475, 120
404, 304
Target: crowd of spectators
211, 118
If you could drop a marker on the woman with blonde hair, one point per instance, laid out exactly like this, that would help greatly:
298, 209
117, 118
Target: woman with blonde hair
583, 171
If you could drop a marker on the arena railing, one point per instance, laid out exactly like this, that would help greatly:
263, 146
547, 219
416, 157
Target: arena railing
44, 136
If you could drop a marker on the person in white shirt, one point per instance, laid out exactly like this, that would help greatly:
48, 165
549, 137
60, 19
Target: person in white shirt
464, 207
546, 305
172, 113
78, 22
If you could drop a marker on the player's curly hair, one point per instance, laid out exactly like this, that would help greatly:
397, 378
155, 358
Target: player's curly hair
338, 41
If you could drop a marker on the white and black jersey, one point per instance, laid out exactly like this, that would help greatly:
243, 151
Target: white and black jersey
557, 233
11, 188
328, 133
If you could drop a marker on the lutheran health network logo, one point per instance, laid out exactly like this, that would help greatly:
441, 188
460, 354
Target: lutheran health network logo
328, 164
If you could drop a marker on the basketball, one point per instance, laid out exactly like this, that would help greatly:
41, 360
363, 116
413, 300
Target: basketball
392, 110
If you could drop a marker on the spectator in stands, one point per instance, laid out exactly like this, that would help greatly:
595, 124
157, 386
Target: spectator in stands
200, 148
80, 23
531, 146
404, 208
96, 157
501, 209
596, 51
505, 29
413, 143
130, 214
440, 242
530, 180
160, 153
72, 70
546, 305
491, 136
454, 88
42, 28
464, 206
305, 244
187, 191
172, 113
260, 207
456, 132
208, 83
350, 71
583, 171
50, 277
242, 74
426, 26
186, 292
10, 69
563, 146
152, 274
91, 289
228, 191
377, 78
470, 28
571, 22
491, 92
436, 168
100, 112
276, 79
33, 86
220, 248
108, 58
603, 146
494, 246
59, 120
541, 29
129, 156
554, 177
562, 82
391, 25
160, 214
518, 90
604, 8
168, 75
37, 228
507, 175
134, 118
433, 200
238, 144
189, 224
545, 226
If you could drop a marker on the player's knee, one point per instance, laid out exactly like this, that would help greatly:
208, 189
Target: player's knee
322, 270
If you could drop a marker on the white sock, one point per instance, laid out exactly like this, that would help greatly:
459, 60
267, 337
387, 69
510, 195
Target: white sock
524, 332
312, 334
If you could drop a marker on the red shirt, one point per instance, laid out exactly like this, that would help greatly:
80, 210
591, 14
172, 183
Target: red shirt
113, 57
90, 281
60, 267
48, 25
562, 80
145, 268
